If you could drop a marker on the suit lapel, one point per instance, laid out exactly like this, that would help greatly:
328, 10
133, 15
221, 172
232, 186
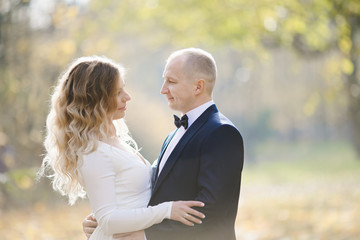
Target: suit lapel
155, 166
166, 144
173, 157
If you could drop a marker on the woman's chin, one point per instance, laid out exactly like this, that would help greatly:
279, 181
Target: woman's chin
119, 116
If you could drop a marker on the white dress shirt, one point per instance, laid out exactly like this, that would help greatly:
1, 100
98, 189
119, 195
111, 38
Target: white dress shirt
192, 116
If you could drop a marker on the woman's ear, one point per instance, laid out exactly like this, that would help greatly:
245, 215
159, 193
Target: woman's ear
199, 86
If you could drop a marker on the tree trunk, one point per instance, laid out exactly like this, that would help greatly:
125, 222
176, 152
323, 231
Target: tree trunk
353, 83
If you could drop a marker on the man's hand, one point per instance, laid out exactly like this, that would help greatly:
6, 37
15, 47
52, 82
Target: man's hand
89, 224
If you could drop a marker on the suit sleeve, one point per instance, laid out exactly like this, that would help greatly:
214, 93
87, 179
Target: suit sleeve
222, 157
98, 175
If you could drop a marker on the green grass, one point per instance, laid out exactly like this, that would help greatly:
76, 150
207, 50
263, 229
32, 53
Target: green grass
294, 191
301, 191
301, 162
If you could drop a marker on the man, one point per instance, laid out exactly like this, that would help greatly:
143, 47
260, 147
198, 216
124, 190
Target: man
203, 158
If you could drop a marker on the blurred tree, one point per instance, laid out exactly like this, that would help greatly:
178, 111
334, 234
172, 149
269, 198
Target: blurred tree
140, 33
16, 102
316, 27
14, 54
311, 27
31, 58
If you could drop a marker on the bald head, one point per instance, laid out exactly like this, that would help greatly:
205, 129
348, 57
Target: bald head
197, 64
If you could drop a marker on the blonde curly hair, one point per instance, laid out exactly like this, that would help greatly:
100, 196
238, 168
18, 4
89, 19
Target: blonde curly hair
83, 100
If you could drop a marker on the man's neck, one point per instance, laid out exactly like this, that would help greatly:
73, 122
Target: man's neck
198, 104
196, 112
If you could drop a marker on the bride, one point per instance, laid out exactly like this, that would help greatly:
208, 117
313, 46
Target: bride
88, 148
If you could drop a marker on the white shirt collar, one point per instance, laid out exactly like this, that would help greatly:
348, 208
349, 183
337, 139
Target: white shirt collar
196, 112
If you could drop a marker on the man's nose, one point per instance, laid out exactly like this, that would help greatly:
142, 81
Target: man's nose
164, 89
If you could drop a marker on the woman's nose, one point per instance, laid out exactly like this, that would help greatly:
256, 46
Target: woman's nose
127, 97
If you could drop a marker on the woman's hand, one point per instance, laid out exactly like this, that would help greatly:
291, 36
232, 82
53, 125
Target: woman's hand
181, 211
89, 224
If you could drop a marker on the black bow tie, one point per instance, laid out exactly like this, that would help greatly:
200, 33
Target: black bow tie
181, 122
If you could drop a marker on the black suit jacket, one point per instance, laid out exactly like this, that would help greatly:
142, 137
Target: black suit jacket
205, 165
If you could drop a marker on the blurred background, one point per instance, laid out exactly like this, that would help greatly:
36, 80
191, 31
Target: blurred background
288, 77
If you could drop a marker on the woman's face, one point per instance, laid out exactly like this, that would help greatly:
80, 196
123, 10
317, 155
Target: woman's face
122, 97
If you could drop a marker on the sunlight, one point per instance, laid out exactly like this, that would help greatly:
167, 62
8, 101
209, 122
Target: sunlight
270, 24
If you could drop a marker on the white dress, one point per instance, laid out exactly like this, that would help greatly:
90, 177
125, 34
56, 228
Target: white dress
118, 186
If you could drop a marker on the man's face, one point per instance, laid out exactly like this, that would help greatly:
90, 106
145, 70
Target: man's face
178, 89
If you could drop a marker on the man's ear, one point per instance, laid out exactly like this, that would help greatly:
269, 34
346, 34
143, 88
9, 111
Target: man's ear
199, 86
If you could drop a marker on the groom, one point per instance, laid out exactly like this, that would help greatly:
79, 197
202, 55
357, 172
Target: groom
203, 158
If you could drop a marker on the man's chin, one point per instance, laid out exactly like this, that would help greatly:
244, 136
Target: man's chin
172, 107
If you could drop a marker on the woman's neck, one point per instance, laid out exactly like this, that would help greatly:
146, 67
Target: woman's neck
112, 130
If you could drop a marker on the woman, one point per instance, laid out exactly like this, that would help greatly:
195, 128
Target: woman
86, 148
